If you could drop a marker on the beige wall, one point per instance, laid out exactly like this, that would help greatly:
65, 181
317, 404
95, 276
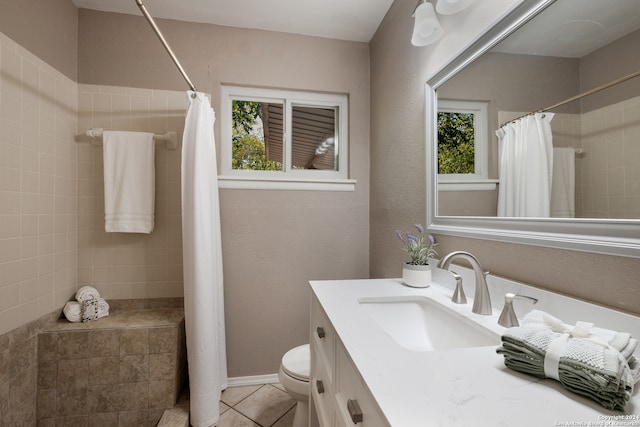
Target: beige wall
56, 38
38, 183
398, 186
273, 241
468, 203
607, 64
398, 75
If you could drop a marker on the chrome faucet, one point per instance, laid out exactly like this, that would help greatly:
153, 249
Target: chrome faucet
481, 300
508, 316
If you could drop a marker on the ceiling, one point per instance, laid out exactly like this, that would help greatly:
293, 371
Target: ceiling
355, 20
574, 28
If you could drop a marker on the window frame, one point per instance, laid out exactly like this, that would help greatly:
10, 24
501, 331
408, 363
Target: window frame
479, 180
288, 178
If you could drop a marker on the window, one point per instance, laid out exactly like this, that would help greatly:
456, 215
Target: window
462, 144
283, 139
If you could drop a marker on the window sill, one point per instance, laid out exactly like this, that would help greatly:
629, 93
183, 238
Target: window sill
479, 185
252, 183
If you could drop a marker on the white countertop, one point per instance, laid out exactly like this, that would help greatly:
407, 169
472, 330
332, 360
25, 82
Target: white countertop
463, 387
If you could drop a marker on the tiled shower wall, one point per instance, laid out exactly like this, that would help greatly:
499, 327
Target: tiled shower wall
608, 173
51, 191
51, 209
122, 265
38, 202
38, 181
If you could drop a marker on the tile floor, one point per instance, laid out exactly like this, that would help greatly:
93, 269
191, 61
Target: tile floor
265, 405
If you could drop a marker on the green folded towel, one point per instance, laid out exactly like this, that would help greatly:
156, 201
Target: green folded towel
600, 365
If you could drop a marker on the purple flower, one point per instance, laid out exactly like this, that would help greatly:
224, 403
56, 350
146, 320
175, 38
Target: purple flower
412, 238
419, 248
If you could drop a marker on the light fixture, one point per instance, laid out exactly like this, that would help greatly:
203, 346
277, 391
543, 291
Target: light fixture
324, 147
449, 7
426, 29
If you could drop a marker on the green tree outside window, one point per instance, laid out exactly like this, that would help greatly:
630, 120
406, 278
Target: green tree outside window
456, 143
249, 151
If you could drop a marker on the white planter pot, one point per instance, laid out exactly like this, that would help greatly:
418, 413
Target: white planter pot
416, 276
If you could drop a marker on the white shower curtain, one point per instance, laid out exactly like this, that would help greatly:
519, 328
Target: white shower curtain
526, 167
202, 264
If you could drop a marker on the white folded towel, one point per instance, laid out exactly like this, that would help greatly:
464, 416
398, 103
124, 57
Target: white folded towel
129, 181
87, 293
622, 342
73, 310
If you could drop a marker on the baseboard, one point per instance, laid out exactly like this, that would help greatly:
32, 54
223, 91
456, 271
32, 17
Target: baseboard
253, 380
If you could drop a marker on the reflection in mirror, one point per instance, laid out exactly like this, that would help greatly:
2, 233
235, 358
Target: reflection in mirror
516, 82
588, 165
462, 141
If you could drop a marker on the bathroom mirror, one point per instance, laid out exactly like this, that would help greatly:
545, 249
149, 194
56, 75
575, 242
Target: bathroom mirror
569, 41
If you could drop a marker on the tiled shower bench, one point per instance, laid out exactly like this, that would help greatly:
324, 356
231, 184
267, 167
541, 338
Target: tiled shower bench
121, 370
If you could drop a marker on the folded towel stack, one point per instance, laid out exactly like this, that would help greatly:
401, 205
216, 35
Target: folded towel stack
87, 307
593, 362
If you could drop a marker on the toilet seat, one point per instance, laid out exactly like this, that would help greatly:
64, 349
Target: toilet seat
297, 362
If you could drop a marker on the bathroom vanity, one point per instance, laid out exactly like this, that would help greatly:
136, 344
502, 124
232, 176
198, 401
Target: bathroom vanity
384, 354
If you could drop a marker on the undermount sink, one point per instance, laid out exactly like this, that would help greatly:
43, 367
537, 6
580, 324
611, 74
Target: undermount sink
420, 324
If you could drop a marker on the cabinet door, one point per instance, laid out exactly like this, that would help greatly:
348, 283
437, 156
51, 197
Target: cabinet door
323, 337
353, 403
322, 367
322, 395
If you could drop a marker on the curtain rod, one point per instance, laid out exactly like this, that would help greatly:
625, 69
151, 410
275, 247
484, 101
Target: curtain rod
582, 95
155, 28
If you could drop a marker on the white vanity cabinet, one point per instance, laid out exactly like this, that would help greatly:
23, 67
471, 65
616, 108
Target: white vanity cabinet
354, 359
338, 394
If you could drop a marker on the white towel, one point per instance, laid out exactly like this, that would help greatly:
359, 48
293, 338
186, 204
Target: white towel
73, 310
87, 293
129, 181
563, 183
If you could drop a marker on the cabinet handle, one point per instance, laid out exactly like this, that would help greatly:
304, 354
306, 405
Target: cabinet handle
320, 332
354, 411
319, 386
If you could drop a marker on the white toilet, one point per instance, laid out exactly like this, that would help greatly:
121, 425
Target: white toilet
294, 377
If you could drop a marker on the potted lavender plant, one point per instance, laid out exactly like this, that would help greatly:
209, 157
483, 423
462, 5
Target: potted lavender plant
420, 247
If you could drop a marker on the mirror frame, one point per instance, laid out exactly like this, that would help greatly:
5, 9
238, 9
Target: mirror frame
605, 236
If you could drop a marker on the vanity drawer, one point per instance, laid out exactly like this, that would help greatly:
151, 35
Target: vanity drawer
354, 405
322, 336
322, 394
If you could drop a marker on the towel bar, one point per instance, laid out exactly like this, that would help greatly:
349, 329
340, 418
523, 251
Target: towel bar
170, 137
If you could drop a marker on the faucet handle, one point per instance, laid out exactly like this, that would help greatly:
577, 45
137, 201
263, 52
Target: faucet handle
508, 316
458, 296
520, 296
